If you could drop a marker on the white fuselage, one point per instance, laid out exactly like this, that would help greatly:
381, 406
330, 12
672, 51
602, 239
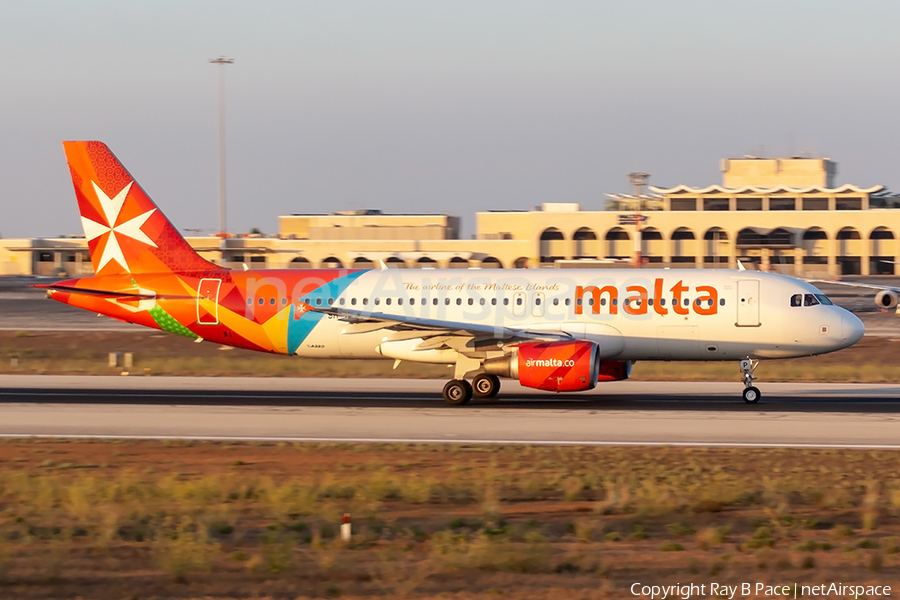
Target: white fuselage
631, 313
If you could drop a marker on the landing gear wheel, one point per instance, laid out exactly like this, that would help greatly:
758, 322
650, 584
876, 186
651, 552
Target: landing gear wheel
486, 386
751, 395
457, 391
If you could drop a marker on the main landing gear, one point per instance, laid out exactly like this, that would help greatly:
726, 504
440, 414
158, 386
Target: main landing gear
751, 393
460, 391
457, 391
486, 386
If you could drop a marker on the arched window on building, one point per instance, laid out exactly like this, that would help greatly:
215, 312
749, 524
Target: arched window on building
521, 263
684, 246
489, 262
361, 262
882, 248
618, 243
331, 263
458, 262
715, 246
426, 263
849, 251
299, 263
815, 247
552, 242
652, 245
395, 262
585, 242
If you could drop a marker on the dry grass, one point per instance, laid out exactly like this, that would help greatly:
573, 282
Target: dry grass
232, 520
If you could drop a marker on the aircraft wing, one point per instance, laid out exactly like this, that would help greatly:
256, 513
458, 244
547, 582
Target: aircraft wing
439, 326
872, 286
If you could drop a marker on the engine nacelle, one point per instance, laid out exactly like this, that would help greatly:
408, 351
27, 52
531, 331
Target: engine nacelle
886, 299
551, 366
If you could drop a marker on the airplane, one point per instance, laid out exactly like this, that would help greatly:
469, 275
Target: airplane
553, 330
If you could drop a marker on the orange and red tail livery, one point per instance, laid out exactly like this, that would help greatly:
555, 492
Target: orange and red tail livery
126, 232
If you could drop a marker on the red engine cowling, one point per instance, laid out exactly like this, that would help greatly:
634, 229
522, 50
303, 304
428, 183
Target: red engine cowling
558, 366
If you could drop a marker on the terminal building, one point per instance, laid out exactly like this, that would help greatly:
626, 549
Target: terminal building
780, 214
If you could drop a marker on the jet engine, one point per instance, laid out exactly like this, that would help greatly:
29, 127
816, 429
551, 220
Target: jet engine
551, 366
886, 299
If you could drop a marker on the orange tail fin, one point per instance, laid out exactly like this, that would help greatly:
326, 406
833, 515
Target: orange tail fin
126, 232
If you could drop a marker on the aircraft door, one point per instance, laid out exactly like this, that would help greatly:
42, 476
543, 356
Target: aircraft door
208, 301
518, 308
538, 309
747, 303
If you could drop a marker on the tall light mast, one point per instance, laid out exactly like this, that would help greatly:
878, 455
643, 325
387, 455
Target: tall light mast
222, 61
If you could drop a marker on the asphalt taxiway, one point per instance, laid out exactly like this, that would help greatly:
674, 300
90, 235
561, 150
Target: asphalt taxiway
629, 412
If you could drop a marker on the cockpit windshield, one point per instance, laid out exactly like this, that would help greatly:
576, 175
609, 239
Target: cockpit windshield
810, 300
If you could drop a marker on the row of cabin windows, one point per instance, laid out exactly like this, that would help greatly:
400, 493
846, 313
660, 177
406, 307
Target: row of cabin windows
519, 301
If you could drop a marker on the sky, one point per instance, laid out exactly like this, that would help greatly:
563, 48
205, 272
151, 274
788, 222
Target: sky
433, 107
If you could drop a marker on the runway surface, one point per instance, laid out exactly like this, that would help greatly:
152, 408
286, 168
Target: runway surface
826, 415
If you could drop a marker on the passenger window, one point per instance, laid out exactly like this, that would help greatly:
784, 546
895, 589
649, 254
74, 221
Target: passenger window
493, 302
377, 301
809, 300
567, 301
556, 302
471, 301
721, 301
387, 301
284, 301
318, 302
342, 301
518, 302
797, 300
649, 301
353, 301
506, 302
602, 301
434, 301
249, 301
662, 301
400, 301
365, 301
272, 301
330, 301
261, 301
459, 301
615, 301
591, 301
482, 301
537, 301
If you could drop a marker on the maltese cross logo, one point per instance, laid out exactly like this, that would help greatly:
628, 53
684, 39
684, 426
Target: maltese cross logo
112, 207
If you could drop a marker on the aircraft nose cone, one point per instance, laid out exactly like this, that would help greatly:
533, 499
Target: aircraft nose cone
852, 329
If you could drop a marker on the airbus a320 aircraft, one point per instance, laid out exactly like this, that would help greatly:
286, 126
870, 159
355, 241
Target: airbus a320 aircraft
560, 331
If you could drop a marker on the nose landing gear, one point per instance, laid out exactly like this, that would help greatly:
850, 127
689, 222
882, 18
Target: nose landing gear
751, 393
